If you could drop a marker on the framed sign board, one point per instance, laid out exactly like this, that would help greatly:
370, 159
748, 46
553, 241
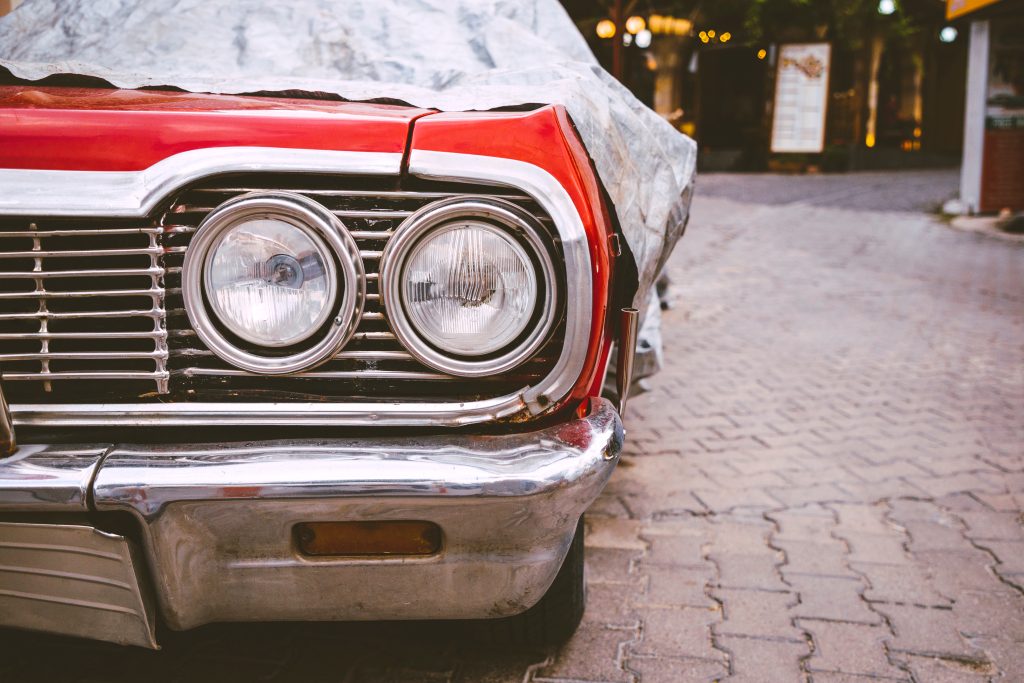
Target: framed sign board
801, 96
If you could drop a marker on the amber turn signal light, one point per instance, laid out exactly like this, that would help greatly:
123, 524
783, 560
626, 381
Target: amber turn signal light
399, 537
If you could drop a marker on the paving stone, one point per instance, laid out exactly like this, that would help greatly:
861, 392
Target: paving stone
684, 632
748, 571
591, 655
833, 677
812, 523
849, 649
952, 573
938, 670
821, 559
1005, 526
756, 613
863, 519
883, 549
1007, 656
614, 604
678, 587
756, 661
801, 495
937, 487
611, 564
726, 500
926, 631
607, 532
905, 584
1009, 555
669, 670
674, 551
833, 599
998, 615
925, 536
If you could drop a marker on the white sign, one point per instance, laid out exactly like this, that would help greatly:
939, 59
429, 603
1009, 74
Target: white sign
801, 94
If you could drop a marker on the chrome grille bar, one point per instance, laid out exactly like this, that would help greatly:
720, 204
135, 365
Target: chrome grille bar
97, 332
95, 272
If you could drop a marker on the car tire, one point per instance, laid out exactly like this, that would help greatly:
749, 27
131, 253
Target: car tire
554, 619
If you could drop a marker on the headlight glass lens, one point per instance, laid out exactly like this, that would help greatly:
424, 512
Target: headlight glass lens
469, 288
270, 282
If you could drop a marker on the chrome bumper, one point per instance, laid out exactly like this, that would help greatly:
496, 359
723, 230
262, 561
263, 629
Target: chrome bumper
216, 520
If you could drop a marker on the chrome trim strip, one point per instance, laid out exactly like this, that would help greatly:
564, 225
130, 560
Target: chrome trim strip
136, 193
8, 442
447, 414
553, 198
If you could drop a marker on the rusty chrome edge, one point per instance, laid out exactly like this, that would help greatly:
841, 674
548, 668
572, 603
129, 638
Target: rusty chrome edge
629, 323
88, 193
8, 442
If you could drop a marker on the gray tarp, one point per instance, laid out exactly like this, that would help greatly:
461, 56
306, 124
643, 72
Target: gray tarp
453, 55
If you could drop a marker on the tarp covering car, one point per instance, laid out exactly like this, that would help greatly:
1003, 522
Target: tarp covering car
452, 55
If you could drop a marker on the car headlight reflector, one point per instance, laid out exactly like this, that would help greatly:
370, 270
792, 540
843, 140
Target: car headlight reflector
469, 286
270, 281
273, 283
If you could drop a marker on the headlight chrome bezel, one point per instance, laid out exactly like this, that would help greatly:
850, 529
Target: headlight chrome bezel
503, 216
348, 286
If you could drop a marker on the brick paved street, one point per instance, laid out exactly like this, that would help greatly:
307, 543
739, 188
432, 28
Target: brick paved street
826, 483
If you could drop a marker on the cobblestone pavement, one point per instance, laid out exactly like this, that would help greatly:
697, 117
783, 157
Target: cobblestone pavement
826, 483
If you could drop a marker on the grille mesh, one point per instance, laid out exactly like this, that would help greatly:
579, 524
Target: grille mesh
101, 300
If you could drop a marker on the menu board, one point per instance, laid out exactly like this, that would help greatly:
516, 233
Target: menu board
801, 94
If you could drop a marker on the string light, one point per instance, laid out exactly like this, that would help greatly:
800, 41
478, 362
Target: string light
605, 28
635, 24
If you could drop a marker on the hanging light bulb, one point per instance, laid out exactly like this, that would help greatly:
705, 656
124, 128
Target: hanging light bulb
605, 28
635, 24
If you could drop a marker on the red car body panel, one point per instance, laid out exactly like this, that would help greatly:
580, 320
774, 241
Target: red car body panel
73, 129
78, 129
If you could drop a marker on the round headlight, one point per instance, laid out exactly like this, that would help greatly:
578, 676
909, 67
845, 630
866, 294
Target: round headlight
273, 283
469, 286
270, 282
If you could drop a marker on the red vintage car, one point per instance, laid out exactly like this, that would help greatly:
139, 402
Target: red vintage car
279, 359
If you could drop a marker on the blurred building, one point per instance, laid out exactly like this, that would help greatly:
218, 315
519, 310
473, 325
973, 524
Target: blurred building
992, 173
893, 90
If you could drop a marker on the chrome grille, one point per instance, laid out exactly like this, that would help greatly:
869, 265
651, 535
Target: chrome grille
373, 366
82, 300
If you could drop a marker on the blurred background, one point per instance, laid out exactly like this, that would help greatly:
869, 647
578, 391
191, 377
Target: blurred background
830, 85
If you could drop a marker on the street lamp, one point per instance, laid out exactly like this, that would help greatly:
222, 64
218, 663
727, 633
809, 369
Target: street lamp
948, 34
886, 7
